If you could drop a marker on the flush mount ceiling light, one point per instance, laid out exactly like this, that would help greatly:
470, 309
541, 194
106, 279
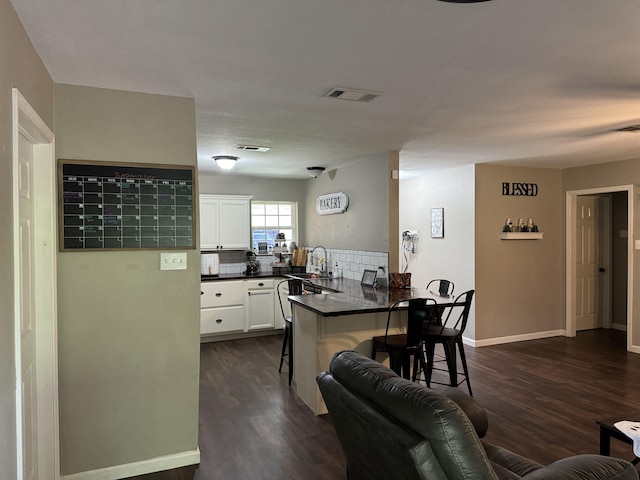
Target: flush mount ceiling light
225, 162
315, 171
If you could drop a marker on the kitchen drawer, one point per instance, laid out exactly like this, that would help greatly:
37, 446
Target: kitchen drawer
259, 284
220, 294
221, 320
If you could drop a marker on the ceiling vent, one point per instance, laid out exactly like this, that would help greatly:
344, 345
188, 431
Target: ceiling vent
251, 148
352, 94
630, 128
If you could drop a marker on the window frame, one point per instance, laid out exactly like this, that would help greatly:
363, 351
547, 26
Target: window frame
266, 228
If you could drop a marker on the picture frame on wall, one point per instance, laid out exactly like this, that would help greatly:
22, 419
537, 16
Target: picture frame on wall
437, 222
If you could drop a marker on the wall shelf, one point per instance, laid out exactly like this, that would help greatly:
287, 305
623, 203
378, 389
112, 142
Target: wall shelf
521, 236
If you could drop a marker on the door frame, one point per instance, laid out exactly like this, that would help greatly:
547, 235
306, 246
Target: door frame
604, 257
570, 258
27, 122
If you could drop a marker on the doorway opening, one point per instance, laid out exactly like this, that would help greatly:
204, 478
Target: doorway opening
591, 231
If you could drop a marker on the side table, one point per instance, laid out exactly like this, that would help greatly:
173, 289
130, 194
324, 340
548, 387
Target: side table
608, 431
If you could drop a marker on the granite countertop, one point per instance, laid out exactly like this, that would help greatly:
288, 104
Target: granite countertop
349, 297
344, 296
237, 276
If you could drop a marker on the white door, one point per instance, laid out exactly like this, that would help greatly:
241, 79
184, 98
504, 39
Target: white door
27, 311
35, 310
587, 282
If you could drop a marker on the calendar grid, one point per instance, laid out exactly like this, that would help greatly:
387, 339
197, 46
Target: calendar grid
121, 208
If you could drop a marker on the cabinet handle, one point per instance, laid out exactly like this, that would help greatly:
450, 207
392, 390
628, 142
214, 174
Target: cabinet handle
261, 284
248, 293
218, 294
218, 320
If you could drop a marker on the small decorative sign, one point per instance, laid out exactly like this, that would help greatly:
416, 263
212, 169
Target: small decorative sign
516, 189
332, 203
437, 223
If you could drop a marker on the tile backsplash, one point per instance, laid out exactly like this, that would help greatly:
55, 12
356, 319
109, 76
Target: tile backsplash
350, 263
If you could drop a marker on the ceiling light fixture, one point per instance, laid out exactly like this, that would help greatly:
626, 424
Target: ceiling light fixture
225, 162
315, 171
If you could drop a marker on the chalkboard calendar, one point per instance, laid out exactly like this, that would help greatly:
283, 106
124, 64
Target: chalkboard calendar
116, 206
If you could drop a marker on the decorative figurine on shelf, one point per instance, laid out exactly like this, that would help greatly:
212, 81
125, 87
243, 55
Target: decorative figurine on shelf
508, 226
531, 226
522, 227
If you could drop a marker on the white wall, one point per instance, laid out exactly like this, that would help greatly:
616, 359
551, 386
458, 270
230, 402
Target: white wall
451, 257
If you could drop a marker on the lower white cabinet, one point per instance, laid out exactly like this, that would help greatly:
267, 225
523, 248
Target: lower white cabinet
260, 304
238, 306
222, 307
222, 320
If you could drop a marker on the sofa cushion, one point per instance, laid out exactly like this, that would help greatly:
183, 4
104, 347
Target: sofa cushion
438, 419
517, 465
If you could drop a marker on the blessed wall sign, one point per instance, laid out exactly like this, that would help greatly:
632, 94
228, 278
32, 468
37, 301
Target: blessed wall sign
332, 203
516, 189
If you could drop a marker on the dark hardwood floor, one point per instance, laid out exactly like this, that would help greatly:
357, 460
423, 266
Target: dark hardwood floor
542, 399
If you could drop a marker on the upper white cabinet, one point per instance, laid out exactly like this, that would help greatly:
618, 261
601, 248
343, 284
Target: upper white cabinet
225, 222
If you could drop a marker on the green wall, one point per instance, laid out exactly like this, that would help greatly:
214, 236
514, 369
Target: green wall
128, 332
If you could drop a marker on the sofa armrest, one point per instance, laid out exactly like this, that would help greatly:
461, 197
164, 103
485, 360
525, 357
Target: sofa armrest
470, 407
586, 467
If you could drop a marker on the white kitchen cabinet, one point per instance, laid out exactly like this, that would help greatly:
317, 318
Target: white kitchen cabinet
260, 307
225, 222
222, 307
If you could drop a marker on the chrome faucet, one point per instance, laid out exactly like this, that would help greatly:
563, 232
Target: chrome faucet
323, 261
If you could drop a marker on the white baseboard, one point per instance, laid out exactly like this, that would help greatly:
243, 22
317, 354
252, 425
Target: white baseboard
158, 464
513, 338
618, 326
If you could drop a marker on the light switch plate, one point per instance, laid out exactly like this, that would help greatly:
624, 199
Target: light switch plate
173, 261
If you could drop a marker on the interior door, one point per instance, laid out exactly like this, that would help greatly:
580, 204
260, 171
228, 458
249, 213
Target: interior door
587, 282
26, 247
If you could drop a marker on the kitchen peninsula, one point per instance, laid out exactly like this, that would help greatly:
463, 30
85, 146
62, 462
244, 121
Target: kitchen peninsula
345, 317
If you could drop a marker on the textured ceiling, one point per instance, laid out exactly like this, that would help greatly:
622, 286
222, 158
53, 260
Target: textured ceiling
515, 81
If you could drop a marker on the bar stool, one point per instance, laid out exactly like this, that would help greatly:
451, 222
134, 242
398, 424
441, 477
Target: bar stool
449, 334
401, 347
295, 288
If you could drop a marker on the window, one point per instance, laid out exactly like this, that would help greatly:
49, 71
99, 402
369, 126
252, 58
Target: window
270, 218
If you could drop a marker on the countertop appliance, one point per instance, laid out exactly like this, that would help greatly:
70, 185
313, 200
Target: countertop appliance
209, 264
253, 266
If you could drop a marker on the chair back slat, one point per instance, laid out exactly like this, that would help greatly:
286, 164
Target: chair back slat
421, 312
444, 287
295, 288
458, 313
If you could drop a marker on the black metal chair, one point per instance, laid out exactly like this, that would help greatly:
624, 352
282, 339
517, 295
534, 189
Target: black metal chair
444, 287
401, 347
295, 288
449, 334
